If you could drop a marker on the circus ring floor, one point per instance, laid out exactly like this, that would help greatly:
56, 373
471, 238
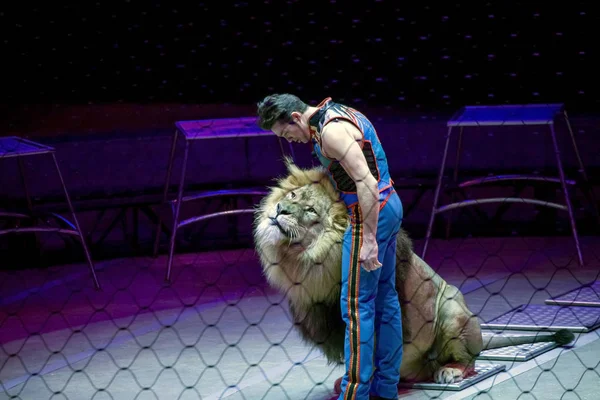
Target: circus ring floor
218, 330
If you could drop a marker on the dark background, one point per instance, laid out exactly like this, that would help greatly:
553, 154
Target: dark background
411, 55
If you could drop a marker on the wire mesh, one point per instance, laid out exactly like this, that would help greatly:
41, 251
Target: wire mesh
220, 329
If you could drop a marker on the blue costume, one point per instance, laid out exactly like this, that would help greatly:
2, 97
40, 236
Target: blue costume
369, 300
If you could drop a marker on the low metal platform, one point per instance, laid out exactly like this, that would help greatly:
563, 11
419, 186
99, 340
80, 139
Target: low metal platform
482, 371
584, 296
522, 352
535, 317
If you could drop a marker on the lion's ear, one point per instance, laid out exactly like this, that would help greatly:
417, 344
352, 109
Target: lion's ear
338, 218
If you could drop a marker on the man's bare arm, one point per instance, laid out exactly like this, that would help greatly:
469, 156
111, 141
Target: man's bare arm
339, 142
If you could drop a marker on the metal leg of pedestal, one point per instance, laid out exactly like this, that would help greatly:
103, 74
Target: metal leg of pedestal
455, 179
575, 147
437, 193
592, 198
176, 211
24, 182
166, 190
76, 222
291, 149
563, 183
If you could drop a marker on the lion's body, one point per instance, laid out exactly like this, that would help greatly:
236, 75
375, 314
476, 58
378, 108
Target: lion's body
300, 251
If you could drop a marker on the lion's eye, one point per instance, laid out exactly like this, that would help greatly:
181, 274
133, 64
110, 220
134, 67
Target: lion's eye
292, 195
312, 210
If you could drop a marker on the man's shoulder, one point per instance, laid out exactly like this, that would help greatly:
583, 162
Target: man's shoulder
340, 126
337, 137
333, 129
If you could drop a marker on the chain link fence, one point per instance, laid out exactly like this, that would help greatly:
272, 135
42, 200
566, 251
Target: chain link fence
105, 325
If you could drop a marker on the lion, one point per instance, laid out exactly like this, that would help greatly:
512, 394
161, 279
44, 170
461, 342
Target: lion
298, 230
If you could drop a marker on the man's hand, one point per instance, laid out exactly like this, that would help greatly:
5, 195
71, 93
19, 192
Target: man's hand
368, 254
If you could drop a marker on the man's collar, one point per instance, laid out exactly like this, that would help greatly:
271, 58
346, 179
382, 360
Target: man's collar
315, 117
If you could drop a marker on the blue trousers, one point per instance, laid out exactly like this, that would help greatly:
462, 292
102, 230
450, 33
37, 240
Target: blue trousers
371, 310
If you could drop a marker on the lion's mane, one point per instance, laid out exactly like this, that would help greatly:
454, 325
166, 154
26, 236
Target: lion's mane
309, 274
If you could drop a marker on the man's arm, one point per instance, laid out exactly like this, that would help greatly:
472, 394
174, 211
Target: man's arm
338, 141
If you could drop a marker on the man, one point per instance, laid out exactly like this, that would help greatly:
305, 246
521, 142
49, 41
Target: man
346, 143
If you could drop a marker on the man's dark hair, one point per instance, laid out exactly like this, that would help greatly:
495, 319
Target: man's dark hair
278, 107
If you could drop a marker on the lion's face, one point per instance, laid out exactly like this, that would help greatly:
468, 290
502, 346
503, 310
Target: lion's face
296, 216
298, 210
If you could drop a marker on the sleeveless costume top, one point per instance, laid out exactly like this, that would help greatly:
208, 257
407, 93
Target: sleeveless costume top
331, 112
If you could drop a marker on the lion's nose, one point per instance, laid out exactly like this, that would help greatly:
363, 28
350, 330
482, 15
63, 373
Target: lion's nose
281, 210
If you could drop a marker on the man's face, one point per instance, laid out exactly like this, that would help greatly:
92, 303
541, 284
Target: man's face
294, 131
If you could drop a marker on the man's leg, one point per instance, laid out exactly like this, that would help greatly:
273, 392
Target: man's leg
388, 317
358, 291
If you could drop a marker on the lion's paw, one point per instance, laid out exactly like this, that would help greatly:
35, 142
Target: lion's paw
448, 375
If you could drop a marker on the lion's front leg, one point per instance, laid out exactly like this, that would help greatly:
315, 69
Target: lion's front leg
462, 348
459, 341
